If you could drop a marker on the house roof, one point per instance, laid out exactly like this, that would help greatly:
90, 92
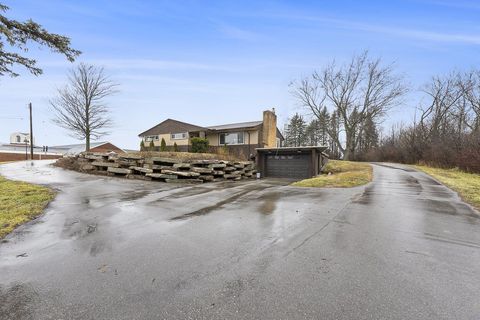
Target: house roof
175, 126
280, 135
171, 126
319, 149
77, 148
238, 125
70, 146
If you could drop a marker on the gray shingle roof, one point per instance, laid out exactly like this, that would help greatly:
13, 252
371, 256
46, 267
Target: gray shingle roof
70, 146
171, 126
239, 125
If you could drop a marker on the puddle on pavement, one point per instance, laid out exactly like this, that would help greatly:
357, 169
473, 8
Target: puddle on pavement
406, 169
219, 204
447, 207
133, 195
269, 203
412, 184
367, 195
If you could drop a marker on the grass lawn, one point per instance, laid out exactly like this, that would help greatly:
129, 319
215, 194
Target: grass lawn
344, 174
20, 202
466, 184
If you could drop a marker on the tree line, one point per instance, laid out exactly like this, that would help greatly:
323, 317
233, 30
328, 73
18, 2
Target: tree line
345, 105
446, 129
349, 100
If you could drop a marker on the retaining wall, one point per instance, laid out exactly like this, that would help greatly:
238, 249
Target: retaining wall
12, 156
161, 169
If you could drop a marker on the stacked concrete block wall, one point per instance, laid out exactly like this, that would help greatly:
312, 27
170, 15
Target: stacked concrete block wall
164, 169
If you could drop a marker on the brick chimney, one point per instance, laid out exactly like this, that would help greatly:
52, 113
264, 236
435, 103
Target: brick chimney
269, 132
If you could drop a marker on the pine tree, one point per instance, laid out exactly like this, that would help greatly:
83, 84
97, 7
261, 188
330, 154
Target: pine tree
152, 145
142, 145
323, 123
16, 35
295, 132
175, 147
163, 145
312, 133
369, 138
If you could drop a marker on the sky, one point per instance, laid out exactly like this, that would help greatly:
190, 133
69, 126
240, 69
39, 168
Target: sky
217, 62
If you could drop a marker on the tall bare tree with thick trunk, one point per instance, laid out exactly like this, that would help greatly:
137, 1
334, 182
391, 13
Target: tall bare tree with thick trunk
80, 106
360, 90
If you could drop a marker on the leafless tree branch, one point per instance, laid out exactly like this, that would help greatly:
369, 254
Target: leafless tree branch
79, 107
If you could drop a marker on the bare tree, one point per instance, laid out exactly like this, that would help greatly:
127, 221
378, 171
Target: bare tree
444, 93
80, 107
360, 90
470, 85
447, 134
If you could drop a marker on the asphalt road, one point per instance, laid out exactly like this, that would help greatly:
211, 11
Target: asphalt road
402, 247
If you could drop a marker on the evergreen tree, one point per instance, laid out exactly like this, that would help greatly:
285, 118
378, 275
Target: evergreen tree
369, 137
16, 35
295, 132
323, 123
152, 145
142, 145
163, 145
313, 133
175, 147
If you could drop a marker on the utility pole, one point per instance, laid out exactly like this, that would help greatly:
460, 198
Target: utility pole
31, 131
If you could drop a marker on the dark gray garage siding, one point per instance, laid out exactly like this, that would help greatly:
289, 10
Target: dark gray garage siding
296, 166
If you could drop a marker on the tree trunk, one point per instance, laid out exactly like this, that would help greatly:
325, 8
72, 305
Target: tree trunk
349, 153
87, 142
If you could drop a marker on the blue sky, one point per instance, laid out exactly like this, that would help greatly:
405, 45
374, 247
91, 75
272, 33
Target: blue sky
214, 62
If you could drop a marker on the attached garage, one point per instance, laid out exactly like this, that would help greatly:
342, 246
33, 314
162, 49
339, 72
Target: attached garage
294, 163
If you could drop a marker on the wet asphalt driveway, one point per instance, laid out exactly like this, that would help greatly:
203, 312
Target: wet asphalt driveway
402, 247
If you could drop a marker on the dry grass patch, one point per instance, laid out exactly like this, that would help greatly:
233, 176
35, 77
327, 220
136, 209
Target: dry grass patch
340, 174
186, 155
466, 184
20, 202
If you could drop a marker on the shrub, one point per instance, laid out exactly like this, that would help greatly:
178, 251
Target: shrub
142, 145
225, 149
199, 145
152, 145
175, 147
163, 145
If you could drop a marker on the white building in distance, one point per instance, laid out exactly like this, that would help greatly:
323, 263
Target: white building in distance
19, 138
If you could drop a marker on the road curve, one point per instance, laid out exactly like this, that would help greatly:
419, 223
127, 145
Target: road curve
401, 247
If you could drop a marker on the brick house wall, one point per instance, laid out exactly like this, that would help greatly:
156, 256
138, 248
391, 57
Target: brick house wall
8, 156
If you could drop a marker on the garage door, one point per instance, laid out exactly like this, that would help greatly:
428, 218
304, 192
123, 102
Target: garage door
295, 166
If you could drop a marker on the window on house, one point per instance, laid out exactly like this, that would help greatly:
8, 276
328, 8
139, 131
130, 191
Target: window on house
151, 138
179, 136
19, 139
231, 138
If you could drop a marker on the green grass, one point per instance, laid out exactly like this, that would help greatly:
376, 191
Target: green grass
344, 174
20, 202
466, 184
